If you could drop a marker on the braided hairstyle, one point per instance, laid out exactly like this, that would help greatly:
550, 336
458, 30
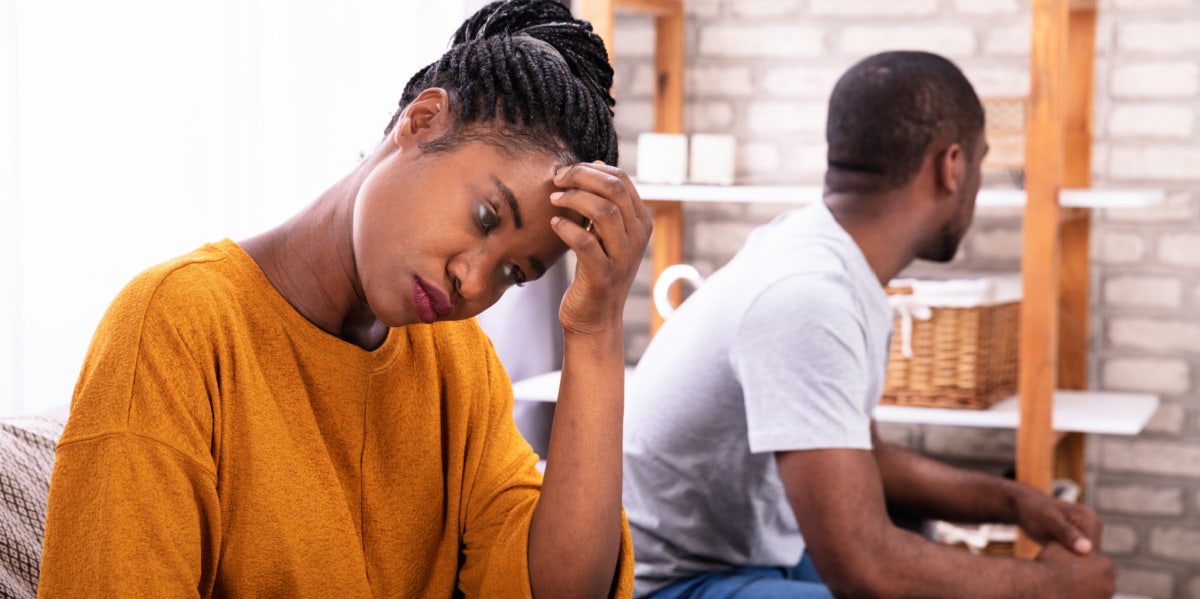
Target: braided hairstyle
525, 74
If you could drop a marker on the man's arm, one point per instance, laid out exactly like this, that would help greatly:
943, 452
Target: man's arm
916, 485
838, 499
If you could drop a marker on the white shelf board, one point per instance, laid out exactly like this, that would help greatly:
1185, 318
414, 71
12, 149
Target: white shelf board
801, 195
1103, 412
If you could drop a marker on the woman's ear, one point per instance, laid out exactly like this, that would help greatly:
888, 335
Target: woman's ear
426, 117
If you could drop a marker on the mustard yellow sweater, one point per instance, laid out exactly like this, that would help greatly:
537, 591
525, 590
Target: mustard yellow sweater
219, 444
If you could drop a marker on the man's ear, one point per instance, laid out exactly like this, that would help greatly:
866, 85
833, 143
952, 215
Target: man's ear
951, 168
427, 117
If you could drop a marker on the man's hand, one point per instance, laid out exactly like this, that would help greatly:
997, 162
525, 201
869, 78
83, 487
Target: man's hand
1078, 576
1049, 520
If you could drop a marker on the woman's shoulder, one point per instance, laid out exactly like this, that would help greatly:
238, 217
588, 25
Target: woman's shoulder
199, 282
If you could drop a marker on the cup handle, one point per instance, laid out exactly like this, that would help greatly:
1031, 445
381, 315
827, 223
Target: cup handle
662, 286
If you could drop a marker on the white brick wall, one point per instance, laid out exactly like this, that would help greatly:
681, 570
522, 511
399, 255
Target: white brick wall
1151, 457
758, 9
759, 41
808, 82
1012, 40
1180, 249
1131, 291
955, 41
1121, 247
1137, 499
1157, 79
1149, 375
988, 8
1166, 163
1150, 5
1161, 336
1174, 543
719, 81
1156, 36
1118, 539
775, 117
1170, 418
1152, 120
857, 9
1145, 583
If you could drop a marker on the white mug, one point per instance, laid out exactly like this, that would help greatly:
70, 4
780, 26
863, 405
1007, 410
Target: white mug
662, 286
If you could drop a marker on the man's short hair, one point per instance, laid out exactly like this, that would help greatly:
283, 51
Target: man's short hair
886, 111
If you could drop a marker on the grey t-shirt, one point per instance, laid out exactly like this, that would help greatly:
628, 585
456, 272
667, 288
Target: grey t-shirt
784, 348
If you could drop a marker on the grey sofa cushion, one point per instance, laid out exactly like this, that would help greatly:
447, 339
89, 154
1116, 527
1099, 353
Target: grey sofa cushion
26, 460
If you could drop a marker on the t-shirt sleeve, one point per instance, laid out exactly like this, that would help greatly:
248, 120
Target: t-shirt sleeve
800, 356
500, 504
133, 508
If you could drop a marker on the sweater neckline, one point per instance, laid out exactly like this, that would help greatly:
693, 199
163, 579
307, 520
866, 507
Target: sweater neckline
315, 337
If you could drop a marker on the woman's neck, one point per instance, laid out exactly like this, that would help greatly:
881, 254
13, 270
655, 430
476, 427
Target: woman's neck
310, 260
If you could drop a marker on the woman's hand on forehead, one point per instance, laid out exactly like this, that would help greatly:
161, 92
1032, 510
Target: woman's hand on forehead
609, 251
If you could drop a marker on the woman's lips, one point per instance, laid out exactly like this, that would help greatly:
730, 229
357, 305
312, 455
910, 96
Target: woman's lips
431, 303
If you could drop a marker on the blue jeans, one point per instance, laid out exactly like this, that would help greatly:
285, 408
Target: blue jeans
799, 582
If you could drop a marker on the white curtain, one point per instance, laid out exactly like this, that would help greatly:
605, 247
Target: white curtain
132, 131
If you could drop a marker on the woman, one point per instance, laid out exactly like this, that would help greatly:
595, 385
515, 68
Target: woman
313, 412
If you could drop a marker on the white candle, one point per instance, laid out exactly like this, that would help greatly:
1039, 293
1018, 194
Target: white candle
662, 158
712, 158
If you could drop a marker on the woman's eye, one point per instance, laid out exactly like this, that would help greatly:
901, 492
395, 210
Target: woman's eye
514, 274
488, 220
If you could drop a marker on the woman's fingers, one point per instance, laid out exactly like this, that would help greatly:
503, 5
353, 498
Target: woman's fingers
613, 185
587, 245
602, 216
609, 254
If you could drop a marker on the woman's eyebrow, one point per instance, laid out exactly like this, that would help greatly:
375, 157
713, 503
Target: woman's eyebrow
510, 199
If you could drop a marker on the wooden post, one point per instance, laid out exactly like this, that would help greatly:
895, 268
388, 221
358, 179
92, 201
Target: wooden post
1040, 266
1074, 281
668, 118
600, 14
667, 243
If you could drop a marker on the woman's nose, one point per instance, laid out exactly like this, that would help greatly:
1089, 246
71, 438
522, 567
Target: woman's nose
472, 276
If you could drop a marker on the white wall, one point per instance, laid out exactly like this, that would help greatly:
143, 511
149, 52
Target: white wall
133, 131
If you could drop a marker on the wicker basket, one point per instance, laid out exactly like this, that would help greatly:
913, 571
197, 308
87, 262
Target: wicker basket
960, 356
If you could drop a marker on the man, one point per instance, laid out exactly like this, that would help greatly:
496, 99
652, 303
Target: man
752, 465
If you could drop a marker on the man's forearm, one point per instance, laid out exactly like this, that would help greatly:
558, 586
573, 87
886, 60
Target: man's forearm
912, 566
920, 486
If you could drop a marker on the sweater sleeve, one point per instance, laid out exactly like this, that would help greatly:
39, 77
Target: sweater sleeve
133, 508
500, 506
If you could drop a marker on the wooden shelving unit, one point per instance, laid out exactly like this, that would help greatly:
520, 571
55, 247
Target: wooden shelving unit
1057, 223
1054, 312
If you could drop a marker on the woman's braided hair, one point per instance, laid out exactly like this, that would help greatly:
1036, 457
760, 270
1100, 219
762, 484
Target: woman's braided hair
525, 73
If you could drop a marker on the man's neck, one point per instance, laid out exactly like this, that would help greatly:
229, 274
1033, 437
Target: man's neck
876, 228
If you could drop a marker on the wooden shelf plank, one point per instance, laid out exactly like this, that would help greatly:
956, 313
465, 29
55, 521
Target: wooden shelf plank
808, 194
1103, 412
